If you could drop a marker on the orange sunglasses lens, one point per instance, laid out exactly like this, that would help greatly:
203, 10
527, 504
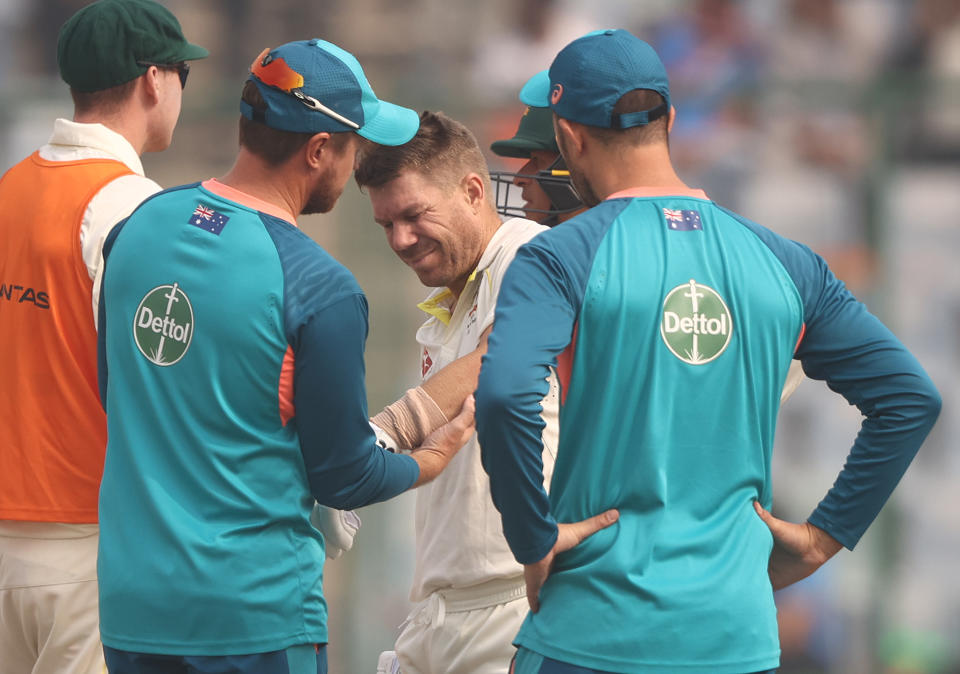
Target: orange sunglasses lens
276, 73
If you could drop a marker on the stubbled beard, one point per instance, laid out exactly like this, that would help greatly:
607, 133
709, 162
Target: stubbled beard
580, 183
583, 188
322, 200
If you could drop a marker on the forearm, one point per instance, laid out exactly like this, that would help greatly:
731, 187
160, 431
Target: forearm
379, 478
450, 386
423, 409
431, 463
344, 465
411, 418
889, 439
436, 451
863, 361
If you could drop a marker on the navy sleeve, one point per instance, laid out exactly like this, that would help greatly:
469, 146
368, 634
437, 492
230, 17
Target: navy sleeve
325, 317
345, 466
537, 308
859, 358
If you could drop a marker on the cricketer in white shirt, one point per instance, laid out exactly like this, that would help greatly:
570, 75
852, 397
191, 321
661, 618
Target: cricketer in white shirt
470, 591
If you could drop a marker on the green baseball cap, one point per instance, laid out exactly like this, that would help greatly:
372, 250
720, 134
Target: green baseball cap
105, 43
535, 133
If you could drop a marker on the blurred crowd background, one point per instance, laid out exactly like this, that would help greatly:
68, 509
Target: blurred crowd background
833, 122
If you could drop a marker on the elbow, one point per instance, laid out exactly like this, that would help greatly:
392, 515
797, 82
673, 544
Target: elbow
369, 479
920, 410
339, 497
931, 402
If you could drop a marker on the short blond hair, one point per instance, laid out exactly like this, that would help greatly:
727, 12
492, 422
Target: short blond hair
442, 150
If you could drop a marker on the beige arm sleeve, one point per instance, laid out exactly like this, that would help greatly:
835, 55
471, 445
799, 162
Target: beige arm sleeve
411, 419
426, 408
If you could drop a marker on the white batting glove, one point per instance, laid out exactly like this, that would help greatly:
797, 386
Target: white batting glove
388, 663
339, 528
385, 440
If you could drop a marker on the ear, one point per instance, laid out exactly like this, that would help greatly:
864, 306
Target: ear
316, 149
570, 136
474, 190
670, 118
151, 85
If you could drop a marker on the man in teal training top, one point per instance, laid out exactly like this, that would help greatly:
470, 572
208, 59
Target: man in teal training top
672, 323
231, 369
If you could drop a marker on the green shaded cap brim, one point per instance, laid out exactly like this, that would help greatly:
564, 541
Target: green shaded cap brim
518, 148
392, 125
191, 52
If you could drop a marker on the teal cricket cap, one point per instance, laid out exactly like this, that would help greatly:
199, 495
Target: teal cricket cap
589, 75
108, 42
311, 86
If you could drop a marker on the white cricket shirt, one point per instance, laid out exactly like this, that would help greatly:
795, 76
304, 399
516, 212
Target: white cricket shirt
460, 539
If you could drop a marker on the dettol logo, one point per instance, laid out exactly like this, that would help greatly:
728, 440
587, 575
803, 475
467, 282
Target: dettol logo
696, 324
163, 325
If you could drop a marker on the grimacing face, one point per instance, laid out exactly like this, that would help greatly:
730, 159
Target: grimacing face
430, 226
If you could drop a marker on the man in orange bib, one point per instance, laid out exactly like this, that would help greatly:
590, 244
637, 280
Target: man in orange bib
126, 64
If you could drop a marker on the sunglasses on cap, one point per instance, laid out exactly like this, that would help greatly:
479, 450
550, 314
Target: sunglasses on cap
182, 68
276, 73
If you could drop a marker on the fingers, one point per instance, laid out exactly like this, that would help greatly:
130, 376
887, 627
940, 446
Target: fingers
573, 533
439, 447
762, 512
777, 526
454, 434
467, 410
465, 423
781, 529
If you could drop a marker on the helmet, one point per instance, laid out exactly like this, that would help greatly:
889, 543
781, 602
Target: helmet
553, 180
534, 133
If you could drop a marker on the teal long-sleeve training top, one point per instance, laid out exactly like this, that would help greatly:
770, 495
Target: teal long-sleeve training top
231, 368
672, 323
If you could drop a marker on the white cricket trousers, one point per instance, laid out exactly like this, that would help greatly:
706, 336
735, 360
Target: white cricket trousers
49, 623
467, 631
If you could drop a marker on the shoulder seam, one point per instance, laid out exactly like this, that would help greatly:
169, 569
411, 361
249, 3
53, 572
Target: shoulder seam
745, 223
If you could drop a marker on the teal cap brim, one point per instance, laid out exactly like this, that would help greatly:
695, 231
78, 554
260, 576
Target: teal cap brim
536, 92
392, 125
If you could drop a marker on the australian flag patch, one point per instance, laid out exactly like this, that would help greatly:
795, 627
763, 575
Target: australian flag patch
682, 220
208, 219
